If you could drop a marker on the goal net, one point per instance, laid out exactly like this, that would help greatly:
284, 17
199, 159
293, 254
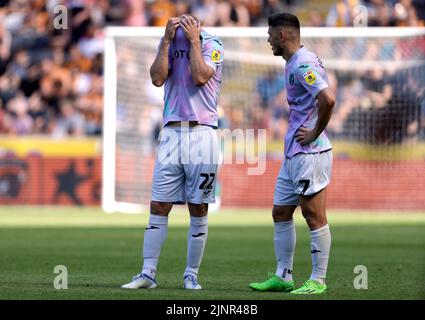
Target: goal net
377, 73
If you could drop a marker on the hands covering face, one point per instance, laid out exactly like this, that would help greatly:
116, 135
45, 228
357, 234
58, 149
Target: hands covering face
170, 29
191, 27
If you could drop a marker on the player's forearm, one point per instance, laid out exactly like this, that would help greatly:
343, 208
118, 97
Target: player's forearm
200, 71
325, 106
159, 68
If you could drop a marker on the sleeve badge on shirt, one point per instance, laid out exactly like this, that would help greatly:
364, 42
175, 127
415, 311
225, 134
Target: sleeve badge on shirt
309, 77
215, 55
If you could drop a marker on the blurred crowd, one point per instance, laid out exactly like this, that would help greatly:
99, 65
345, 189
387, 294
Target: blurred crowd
379, 86
378, 105
380, 13
51, 80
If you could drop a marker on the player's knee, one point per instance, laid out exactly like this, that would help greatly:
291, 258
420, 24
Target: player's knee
311, 221
160, 208
198, 210
281, 214
314, 221
276, 214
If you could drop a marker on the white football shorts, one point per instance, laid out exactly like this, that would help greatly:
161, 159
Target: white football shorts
186, 166
304, 174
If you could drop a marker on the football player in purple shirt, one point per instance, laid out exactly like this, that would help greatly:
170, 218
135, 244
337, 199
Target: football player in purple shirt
306, 169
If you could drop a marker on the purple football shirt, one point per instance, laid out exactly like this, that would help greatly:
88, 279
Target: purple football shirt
183, 100
305, 78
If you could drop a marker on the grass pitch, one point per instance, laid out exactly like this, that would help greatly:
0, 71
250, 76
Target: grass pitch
102, 251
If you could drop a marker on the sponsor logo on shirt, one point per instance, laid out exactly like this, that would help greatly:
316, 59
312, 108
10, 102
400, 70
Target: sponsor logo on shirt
309, 77
181, 54
215, 55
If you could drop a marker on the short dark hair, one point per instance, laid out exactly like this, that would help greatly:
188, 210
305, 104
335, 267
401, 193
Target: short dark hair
284, 20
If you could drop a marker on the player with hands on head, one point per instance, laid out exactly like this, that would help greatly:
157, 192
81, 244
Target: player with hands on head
189, 64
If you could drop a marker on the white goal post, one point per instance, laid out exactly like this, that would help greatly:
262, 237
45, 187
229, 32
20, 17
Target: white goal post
129, 51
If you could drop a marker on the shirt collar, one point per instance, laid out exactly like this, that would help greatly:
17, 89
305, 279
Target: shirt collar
296, 54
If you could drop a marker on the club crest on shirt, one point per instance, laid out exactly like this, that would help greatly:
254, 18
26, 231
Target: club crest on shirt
309, 77
215, 55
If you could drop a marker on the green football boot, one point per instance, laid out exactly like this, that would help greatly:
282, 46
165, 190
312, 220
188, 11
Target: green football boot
311, 287
274, 283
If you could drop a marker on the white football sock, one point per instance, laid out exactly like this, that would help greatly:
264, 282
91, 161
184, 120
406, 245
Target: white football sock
196, 239
155, 235
284, 247
320, 248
